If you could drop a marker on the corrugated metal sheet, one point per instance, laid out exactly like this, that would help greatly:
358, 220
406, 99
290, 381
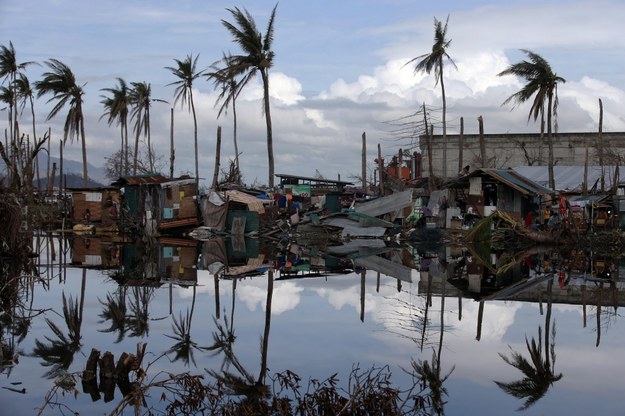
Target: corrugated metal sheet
568, 178
518, 181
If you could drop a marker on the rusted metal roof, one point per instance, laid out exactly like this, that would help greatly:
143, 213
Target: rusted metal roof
150, 180
517, 181
508, 177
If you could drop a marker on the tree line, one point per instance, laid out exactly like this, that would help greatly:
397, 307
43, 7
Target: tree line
126, 103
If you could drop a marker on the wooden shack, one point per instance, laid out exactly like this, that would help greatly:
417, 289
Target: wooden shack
157, 204
97, 207
484, 191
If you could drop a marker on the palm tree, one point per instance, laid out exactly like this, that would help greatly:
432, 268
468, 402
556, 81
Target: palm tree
9, 71
141, 101
542, 83
25, 94
434, 60
186, 72
61, 83
257, 57
225, 79
116, 109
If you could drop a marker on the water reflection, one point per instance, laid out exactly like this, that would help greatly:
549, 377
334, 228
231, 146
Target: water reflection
141, 276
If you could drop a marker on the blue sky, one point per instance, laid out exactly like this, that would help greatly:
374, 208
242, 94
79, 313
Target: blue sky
338, 71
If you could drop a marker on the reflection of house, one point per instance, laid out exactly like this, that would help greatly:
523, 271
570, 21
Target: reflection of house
158, 203
177, 260
234, 257
96, 207
151, 262
95, 252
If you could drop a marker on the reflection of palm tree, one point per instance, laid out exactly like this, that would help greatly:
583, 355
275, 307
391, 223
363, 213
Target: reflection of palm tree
243, 383
115, 311
184, 346
430, 376
138, 319
59, 353
539, 373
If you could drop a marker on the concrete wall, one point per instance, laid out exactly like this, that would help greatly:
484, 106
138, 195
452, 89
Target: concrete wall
512, 150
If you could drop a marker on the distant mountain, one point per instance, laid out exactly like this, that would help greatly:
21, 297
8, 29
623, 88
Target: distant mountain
72, 180
72, 171
71, 166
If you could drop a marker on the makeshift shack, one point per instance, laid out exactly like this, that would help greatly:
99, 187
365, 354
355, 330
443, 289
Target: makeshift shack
155, 204
484, 191
96, 208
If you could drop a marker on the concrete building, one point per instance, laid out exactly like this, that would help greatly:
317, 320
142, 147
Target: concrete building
511, 150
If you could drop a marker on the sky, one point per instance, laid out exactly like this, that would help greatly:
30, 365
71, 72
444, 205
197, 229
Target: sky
340, 70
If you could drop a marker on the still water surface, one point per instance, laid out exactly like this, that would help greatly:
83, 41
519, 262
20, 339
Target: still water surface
323, 325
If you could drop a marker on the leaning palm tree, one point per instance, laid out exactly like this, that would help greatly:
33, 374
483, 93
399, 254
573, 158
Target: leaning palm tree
116, 109
542, 83
141, 101
9, 71
186, 72
434, 61
223, 78
256, 56
61, 83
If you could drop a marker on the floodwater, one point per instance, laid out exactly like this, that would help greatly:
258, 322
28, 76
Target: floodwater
546, 325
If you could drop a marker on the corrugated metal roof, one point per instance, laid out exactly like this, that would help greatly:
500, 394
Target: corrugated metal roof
152, 180
517, 181
568, 178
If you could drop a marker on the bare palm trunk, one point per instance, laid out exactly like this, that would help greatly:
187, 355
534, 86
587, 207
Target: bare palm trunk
552, 184
265, 77
85, 174
440, 65
150, 152
601, 145
135, 161
172, 152
236, 146
197, 166
126, 147
461, 145
217, 158
122, 155
480, 121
